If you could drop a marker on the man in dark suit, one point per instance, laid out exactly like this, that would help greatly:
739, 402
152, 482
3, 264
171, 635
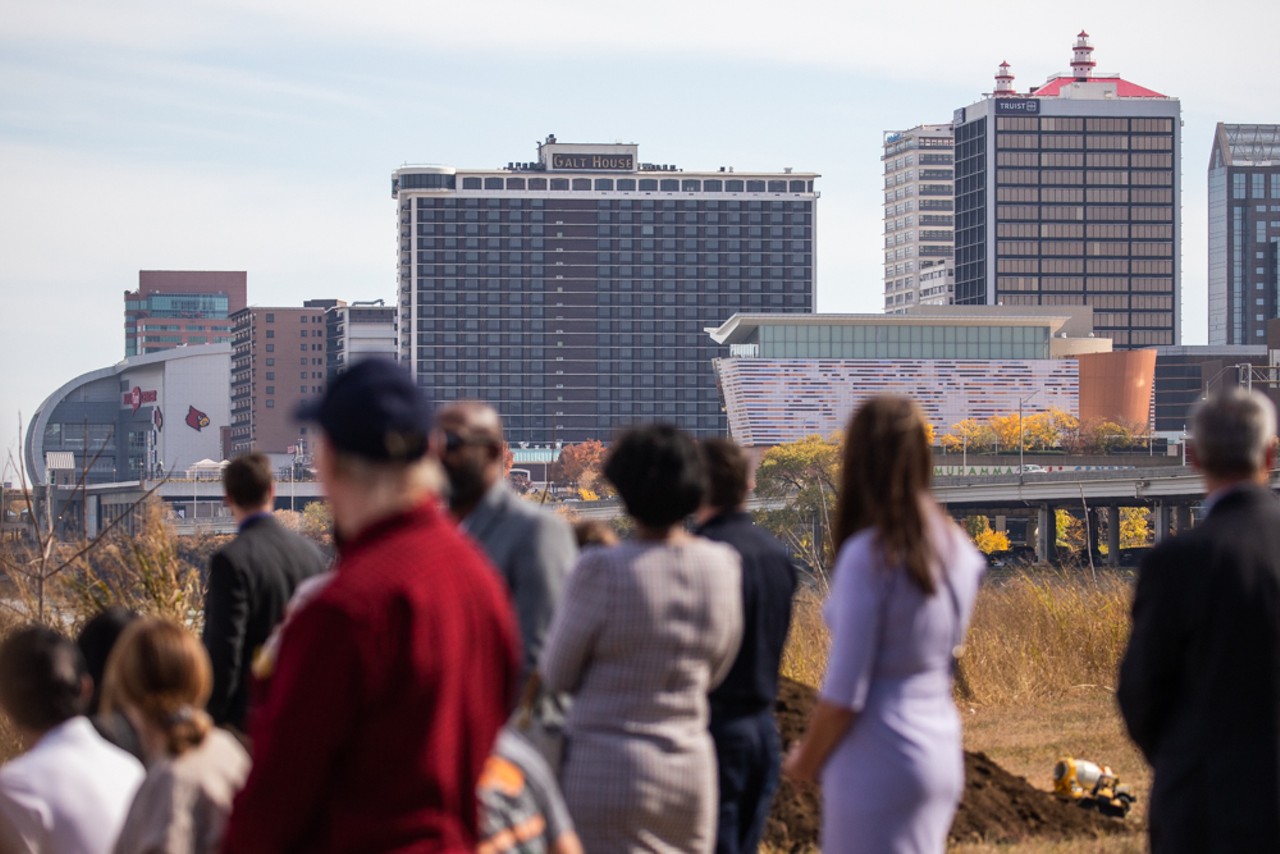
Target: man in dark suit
742, 723
1200, 683
250, 582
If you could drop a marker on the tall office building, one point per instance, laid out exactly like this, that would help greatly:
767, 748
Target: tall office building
1068, 195
918, 218
572, 292
277, 360
172, 308
1244, 233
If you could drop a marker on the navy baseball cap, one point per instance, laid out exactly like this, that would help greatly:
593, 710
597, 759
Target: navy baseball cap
375, 410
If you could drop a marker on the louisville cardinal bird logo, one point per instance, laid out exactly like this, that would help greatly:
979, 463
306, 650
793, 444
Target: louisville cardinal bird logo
196, 419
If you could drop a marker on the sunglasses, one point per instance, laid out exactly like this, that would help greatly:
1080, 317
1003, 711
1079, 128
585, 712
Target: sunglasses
454, 441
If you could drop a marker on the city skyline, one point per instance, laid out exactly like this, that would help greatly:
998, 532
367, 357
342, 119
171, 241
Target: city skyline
257, 137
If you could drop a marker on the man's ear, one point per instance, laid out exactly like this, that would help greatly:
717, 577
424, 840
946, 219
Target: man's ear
1191, 456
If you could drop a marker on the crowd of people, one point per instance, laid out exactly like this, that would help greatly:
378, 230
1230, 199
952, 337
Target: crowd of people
473, 674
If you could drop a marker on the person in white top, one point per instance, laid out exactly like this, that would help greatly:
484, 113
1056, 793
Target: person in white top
71, 789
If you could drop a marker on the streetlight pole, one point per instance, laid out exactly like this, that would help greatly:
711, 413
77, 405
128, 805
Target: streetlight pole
1021, 441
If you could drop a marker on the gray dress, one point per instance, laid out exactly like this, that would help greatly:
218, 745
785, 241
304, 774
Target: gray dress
643, 632
894, 781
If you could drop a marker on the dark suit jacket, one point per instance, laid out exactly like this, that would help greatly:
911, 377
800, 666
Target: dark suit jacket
1200, 683
250, 582
768, 585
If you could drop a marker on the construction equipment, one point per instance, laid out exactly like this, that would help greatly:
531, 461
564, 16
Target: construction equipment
1091, 786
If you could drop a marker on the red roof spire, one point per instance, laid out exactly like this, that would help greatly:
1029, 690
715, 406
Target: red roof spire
1082, 57
1004, 81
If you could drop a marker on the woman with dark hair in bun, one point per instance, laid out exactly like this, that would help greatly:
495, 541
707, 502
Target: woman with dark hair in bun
159, 676
644, 630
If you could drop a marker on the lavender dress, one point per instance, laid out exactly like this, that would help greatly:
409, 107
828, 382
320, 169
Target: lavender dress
894, 781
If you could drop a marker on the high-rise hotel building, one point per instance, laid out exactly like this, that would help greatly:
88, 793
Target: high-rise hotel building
1069, 194
573, 292
918, 218
1244, 233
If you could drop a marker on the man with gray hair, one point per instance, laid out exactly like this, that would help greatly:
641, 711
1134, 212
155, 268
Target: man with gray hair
1200, 682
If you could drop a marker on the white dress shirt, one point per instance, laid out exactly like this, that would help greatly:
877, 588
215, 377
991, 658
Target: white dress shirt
68, 793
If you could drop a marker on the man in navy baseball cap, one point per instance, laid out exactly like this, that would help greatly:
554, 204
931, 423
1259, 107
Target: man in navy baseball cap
390, 684
374, 411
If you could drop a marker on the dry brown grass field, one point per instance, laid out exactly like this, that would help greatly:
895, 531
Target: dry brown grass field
1040, 663
9, 744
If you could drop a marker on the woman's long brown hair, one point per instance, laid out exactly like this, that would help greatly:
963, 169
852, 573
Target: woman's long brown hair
884, 483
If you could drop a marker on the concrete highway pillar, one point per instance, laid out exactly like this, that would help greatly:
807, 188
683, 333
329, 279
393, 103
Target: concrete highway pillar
1183, 520
1160, 520
1091, 526
1113, 535
1046, 534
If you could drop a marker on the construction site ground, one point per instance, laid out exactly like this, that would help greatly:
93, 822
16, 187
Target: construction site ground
1009, 758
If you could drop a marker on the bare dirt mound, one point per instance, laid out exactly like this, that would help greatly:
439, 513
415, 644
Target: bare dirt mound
997, 806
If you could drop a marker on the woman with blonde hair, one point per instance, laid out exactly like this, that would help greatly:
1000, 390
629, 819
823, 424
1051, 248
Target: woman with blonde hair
159, 676
885, 735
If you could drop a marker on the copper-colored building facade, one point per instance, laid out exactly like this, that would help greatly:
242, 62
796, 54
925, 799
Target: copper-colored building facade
1117, 386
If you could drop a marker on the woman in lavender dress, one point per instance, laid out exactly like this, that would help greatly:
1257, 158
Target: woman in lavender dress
884, 738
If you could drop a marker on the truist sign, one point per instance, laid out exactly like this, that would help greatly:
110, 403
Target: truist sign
1017, 106
135, 397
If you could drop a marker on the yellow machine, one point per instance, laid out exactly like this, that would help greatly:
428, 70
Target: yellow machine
1091, 786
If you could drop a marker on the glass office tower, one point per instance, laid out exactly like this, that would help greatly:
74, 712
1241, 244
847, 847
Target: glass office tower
1069, 195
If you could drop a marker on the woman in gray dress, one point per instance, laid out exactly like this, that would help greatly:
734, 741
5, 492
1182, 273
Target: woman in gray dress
643, 631
885, 735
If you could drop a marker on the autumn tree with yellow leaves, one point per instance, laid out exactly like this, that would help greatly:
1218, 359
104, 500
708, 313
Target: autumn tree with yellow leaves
1039, 431
806, 474
984, 537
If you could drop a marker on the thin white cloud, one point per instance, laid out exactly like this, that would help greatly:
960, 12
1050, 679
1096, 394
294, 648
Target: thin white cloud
930, 40
109, 98
70, 253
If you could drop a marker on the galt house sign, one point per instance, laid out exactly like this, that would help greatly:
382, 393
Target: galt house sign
594, 162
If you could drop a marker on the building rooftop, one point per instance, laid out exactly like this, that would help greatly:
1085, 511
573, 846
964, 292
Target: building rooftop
1055, 87
1247, 145
1081, 82
604, 158
742, 328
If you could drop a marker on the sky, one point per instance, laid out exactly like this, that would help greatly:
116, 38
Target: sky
260, 135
